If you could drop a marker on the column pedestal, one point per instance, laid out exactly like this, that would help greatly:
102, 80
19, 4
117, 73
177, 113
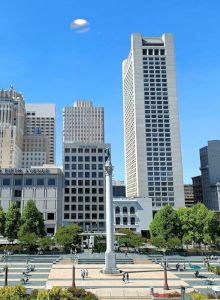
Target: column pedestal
110, 264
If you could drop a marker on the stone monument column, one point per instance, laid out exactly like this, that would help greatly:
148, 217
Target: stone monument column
110, 257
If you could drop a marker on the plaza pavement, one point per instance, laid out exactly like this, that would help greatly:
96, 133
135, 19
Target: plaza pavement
143, 274
141, 278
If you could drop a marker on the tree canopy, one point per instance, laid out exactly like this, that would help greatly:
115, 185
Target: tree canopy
194, 225
165, 224
68, 236
32, 220
2, 221
130, 239
12, 221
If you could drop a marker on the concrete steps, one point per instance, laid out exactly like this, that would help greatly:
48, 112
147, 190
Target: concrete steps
102, 261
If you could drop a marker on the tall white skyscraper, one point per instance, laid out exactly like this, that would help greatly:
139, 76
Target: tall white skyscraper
153, 161
83, 164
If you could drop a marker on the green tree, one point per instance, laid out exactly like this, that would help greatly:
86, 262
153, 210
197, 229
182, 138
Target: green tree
158, 242
12, 221
28, 241
166, 224
198, 225
45, 243
2, 221
68, 236
187, 224
32, 220
130, 239
204, 222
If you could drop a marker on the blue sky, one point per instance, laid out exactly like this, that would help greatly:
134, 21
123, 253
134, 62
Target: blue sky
48, 62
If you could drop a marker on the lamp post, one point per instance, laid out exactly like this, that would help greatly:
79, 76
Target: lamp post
6, 275
73, 276
165, 287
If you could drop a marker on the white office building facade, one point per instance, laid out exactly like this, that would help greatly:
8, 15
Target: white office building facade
44, 185
153, 161
84, 156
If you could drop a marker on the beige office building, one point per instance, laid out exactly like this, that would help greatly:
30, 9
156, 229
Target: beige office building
40, 138
12, 116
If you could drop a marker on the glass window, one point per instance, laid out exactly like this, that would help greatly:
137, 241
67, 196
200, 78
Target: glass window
51, 181
125, 210
17, 193
132, 210
6, 181
125, 221
29, 181
40, 181
18, 181
117, 210
132, 221
117, 220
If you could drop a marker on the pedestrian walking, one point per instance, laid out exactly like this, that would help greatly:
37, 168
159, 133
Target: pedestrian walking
127, 278
83, 274
177, 266
86, 273
123, 277
126, 253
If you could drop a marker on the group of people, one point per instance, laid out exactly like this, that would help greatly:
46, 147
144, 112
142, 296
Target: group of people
125, 277
210, 257
84, 273
179, 267
25, 273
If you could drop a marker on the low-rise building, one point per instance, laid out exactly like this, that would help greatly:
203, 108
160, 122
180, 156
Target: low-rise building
44, 185
119, 189
133, 213
189, 195
197, 188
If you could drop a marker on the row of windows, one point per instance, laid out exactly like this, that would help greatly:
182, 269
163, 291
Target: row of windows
124, 221
153, 51
84, 174
29, 181
124, 210
154, 59
160, 173
74, 199
84, 190
83, 216
81, 182
160, 184
170, 189
155, 179
162, 204
85, 207
154, 62
84, 150
83, 166
84, 158
160, 154
152, 194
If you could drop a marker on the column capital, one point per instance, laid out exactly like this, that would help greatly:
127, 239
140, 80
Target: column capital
108, 168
